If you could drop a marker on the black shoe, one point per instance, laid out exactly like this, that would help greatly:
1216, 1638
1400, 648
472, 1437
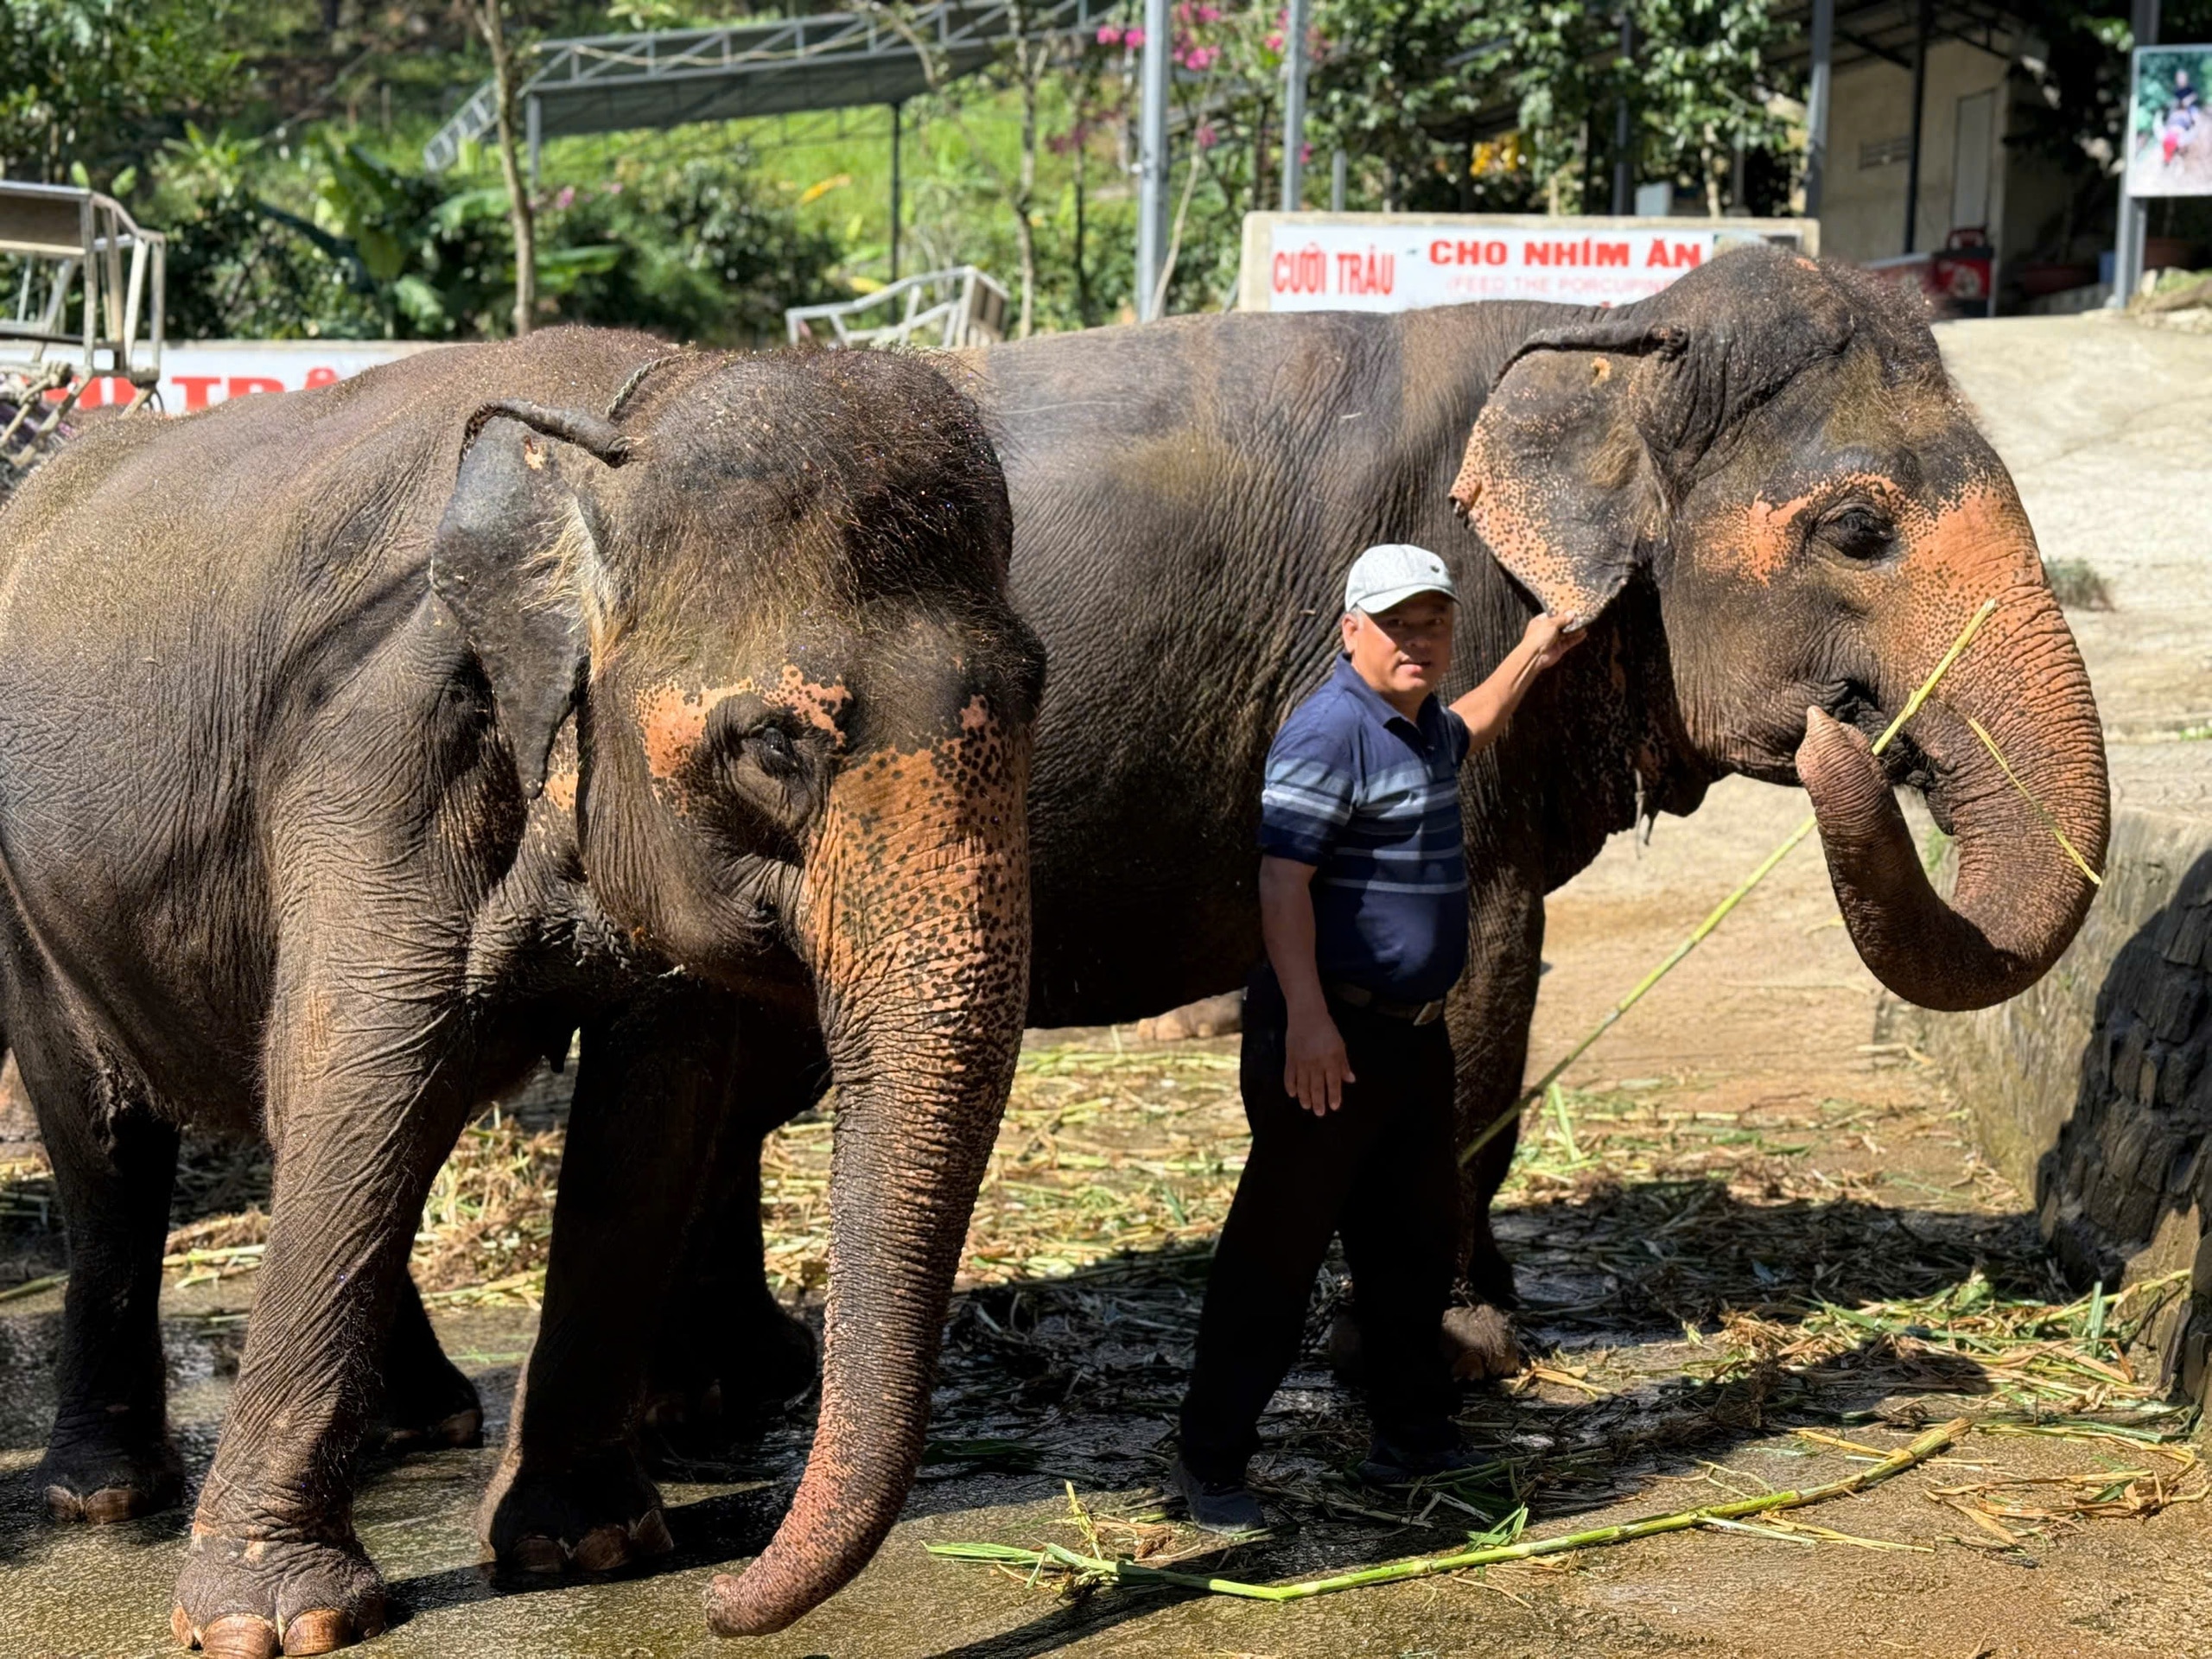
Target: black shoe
1394, 1460
1217, 1506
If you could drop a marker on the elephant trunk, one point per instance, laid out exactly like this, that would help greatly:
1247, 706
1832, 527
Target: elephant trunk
918, 922
2020, 896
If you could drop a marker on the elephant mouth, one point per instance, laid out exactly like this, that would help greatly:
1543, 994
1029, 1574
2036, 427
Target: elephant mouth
1904, 763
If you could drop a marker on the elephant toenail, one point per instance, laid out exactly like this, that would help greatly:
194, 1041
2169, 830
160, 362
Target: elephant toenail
181, 1628
462, 1428
110, 1504
603, 1549
62, 1504
239, 1636
319, 1629
651, 1536
538, 1553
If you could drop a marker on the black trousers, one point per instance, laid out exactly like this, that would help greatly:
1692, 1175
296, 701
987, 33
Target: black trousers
1380, 1170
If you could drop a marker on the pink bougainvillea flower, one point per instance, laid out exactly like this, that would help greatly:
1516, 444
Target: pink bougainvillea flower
1206, 137
568, 196
1109, 34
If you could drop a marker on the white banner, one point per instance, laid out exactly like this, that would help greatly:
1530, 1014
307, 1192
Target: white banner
196, 374
1386, 262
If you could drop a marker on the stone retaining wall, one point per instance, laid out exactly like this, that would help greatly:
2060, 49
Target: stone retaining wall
2092, 1091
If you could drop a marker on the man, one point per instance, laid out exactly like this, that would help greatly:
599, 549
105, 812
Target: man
1347, 1069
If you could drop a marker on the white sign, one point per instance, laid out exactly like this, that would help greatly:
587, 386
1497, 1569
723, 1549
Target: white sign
197, 374
1389, 261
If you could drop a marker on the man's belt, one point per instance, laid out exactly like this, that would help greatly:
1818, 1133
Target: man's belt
1358, 996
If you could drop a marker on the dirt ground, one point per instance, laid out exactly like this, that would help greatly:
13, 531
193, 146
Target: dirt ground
1747, 1216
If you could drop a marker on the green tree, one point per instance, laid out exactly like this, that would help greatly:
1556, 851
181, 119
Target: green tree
704, 253
99, 83
1415, 81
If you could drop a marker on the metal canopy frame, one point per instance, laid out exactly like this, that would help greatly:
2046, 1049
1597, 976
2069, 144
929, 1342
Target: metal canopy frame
621, 83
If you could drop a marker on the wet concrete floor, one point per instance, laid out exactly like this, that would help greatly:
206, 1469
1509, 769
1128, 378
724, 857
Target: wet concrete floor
2107, 1588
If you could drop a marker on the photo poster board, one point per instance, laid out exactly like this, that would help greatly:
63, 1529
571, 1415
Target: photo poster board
2170, 122
1402, 262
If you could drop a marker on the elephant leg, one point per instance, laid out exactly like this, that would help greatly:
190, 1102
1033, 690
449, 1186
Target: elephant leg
427, 1402
1489, 1014
572, 1490
728, 1351
367, 1095
109, 1456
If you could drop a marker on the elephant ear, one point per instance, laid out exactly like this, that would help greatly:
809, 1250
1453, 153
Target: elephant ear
1558, 479
517, 563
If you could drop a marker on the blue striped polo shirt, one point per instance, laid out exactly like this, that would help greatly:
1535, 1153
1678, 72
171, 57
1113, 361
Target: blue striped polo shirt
1371, 800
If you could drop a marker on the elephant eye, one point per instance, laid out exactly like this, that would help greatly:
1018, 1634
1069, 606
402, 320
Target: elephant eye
770, 747
1858, 533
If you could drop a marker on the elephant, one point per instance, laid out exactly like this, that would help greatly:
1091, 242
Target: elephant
1758, 490
360, 745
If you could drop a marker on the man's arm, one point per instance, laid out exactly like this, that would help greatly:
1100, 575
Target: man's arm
1315, 1067
1489, 705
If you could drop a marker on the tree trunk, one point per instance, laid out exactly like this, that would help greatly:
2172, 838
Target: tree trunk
519, 211
1029, 60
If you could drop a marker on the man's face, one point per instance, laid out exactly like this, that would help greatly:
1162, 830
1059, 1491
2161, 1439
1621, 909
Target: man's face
1407, 650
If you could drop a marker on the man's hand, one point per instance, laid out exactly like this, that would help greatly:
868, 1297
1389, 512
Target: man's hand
1547, 638
1489, 705
1315, 1067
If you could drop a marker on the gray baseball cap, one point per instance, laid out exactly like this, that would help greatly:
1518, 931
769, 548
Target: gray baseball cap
1392, 573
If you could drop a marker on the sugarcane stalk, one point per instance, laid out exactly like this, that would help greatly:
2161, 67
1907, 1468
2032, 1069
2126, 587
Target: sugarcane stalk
1919, 1450
1719, 912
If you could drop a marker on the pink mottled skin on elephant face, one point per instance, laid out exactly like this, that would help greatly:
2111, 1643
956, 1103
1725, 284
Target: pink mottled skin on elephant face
672, 718
1981, 537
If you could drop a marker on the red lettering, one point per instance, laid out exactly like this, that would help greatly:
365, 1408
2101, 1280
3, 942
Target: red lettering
196, 388
1494, 253
1440, 252
323, 375
1685, 254
244, 385
1535, 253
1612, 253
1657, 257
1303, 271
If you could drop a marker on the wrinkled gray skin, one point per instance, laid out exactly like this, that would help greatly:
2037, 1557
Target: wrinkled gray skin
1758, 486
357, 746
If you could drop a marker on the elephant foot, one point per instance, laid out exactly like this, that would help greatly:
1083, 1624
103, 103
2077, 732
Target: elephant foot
251, 1599
428, 1407
764, 1363
592, 1517
102, 1481
1478, 1343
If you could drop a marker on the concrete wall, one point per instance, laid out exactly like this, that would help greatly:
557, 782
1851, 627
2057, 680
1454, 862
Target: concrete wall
2092, 1090
1862, 207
